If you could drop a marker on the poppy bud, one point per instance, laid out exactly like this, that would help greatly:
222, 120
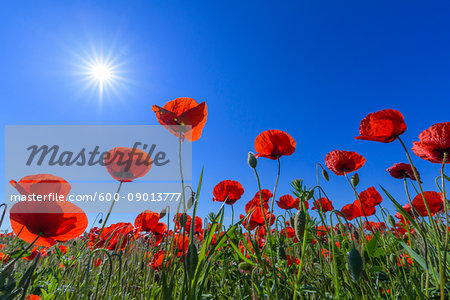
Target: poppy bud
391, 220
191, 260
325, 174
191, 200
355, 179
281, 253
251, 160
245, 266
183, 219
309, 194
163, 213
299, 224
100, 221
355, 264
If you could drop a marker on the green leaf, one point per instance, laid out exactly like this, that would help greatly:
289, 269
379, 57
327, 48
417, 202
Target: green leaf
414, 255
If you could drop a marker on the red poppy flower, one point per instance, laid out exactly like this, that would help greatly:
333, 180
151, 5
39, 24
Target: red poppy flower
288, 231
434, 200
127, 164
354, 210
323, 204
257, 218
114, 237
181, 242
291, 260
341, 162
158, 259
408, 209
322, 230
183, 117
52, 221
33, 297
370, 197
376, 226
433, 143
47, 186
273, 144
228, 191
97, 262
147, 220
63, 249
288, 202
159, 229
198, 225
402, 170
256, 201
33, 254
382, 126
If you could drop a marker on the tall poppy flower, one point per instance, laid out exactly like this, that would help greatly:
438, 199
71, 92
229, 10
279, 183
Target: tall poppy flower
198, 225
402, 170
158, 259
408, 208
370, 197
228, 191
183, 117
434, 200
256, 200
273, 144
382, 126
433, 143
127, 164
44, 185
147, 220
341, 162
354, 210
181, 243
257, 218
323, 204
288, 202
47, 221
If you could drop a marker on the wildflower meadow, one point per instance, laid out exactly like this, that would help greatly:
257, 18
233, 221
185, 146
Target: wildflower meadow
315, 249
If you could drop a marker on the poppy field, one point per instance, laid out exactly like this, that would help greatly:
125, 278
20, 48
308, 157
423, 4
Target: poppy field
315, 249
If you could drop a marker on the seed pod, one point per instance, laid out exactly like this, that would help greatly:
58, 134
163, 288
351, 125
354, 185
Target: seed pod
325, 175
191, 260
163, 213
299, 224
391, 221
183, 219
252, 161
245, 266
281, 253
355, 264
355, 179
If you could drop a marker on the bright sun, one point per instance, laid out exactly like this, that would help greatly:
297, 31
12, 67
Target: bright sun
101, 73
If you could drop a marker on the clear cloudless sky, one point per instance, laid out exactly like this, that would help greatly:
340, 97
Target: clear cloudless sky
311, 68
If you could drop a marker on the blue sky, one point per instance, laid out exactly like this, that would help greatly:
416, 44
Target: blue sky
311, 68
